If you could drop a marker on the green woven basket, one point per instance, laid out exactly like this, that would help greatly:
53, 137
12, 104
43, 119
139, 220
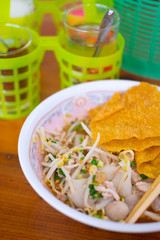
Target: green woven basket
140, 26
75, 69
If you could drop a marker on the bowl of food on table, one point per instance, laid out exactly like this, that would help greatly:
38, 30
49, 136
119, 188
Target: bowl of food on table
92, 151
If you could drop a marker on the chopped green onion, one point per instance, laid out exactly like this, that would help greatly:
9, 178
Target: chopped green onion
94, 162
98, 195
61, 172
77, 127
82, 158
82, 150
81, 138
133, 164
95, 183
69, 157
97, 215
119, 160
100, 164
57, 178
54, 141
143, 176
92, 191
48, 139
94, 176
83, 171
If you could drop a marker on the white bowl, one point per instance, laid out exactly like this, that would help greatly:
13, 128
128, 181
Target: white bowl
76, 100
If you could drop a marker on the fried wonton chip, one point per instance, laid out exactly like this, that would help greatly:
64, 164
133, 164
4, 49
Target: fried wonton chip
105, 110
94, 111
132, 143
138, 118
148, 162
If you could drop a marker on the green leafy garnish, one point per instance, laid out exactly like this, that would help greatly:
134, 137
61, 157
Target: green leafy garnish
133, 164
69, 157
93, 192
81, 139
98, 195
119, 160
83, 171
57, 178
94, 161
94, 176
95, 183
61, 172
82, 150
48, 139
82, 158
143, 176
97, 215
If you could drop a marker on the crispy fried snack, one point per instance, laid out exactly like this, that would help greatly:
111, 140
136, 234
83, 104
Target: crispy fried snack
131, 120
148, 162
134, 114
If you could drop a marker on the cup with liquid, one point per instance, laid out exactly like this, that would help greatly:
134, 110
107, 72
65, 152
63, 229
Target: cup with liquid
19, 71
82, 29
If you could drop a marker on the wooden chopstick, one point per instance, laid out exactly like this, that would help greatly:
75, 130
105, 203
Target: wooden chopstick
145, 201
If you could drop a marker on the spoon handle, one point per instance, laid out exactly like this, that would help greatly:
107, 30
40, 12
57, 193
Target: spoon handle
105, 27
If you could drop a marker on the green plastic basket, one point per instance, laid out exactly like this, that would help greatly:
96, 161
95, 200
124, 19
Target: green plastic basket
20, 72
19, 78
140, 26
75, 69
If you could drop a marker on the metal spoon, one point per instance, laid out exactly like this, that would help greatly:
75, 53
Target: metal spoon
107, 21
4, 44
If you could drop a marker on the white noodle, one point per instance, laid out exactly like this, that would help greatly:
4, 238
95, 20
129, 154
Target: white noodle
65, 188
86, 193
70, 138
86, 129
53, 132
68, 178
51, 171
50, 156
73, 126
56, 146
72, 166
85, 141
86, 157
48, 148
62, 136
52, 180
45, 170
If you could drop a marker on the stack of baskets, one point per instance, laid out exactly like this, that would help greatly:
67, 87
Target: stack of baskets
140, 26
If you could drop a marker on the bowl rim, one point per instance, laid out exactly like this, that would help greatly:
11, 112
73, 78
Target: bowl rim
23, 153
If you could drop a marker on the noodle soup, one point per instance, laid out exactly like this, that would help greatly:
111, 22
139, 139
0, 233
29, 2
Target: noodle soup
87, 177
